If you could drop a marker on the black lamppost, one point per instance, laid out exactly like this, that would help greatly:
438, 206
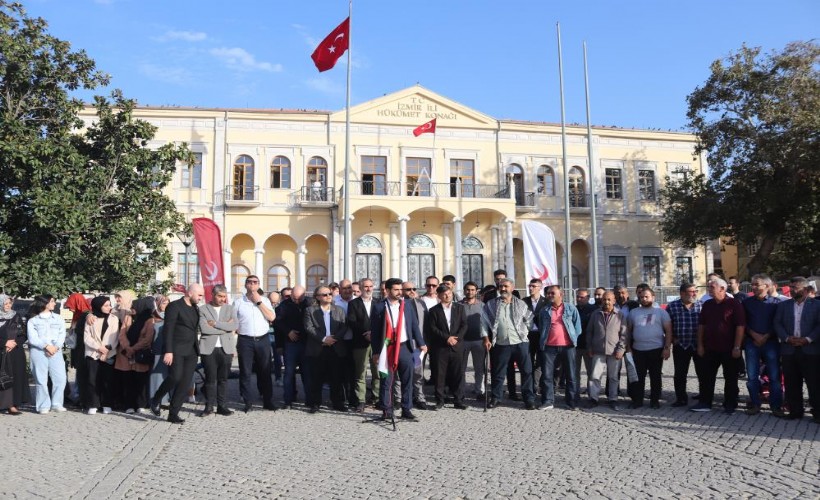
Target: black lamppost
186, 237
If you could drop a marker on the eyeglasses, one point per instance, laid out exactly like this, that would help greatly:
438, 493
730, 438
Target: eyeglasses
252, 281
408, 289
430, 284
324, 294
532, 285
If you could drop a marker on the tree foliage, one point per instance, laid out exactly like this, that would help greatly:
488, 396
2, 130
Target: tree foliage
82, 204
757, 118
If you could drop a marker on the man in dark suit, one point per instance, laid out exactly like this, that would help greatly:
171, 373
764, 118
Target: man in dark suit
217, 323
445, 328
358, 320
800, 348
325, 329
396, 314
535, 302
180, 332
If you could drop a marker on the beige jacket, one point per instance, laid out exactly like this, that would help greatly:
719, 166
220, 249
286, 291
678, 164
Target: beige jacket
95, 338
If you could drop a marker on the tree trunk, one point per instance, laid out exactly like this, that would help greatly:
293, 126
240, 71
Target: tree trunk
760, 261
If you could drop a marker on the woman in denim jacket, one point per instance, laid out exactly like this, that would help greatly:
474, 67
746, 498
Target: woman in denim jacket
46, 335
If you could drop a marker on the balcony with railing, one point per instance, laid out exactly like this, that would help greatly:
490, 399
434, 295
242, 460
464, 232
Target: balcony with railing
428, 189
241, 195
524, 200
316, 196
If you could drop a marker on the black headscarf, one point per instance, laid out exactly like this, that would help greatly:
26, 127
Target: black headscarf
143, 309
96, 309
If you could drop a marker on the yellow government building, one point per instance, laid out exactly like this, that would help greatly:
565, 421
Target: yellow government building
450, 204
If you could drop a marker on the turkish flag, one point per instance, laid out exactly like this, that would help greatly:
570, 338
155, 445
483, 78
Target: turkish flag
209, 253
429, 127
332, 47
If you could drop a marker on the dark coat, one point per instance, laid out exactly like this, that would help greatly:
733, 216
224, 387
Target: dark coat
438, 331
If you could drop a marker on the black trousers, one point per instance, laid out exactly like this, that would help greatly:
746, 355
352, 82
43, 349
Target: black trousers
647, 361
797, 369
682, 358
179, 378
254, 354
450, 372
349, 375
134, 384
711, 361
405, 375
99, 383
217, 365
330, 368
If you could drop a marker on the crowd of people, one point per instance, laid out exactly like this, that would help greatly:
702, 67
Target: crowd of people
136, 355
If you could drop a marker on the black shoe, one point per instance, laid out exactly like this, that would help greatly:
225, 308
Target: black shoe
655, 405
492, 403
379, 405
359, 409
635, 406
270, 407
341, 408
174, 419
696, 397
247, 408
207, 412
793, 416
155, 408
480, 397
459, 406
678, 404
408, 415
729, 411
225, 412
515, 397
529, 405
386, 416
593, 403
313, 409
420, 405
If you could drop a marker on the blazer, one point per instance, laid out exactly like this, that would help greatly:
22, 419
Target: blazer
180, 328
224, 329
94, 337
540, 304
411, 325
607, 338
315, 330
438, 331
809, 325
359, 321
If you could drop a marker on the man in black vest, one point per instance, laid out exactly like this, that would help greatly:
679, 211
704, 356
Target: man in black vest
179, 330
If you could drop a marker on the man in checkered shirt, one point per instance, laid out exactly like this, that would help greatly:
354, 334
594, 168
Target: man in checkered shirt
684, 313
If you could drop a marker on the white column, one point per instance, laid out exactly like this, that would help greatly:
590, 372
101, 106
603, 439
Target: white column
458, 251
590, 273
510, 264
259, 268
330, 265
494, 247
445, 249
335, 246
403, 247
394, 250
226, 271
301, 268
349, 257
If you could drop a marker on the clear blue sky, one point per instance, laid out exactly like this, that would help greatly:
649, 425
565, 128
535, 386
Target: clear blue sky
498, 57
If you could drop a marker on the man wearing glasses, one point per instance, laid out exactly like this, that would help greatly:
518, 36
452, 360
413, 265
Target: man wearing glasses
254, 313
535, 301
408, 290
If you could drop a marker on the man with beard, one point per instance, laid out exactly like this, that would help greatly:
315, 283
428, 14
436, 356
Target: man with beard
290, 321
217, 322
410, 293
446, 326
358, 320
254, 313
684, 313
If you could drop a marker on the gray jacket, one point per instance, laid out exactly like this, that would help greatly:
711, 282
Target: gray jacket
607, 338
223, 329
521, 317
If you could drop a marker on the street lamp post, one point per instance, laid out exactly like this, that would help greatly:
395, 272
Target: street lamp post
186, 237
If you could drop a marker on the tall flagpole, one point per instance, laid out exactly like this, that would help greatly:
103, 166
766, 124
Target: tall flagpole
567, 235
348, 243
593, 191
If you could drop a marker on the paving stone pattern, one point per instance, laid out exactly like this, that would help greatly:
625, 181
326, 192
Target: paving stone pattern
506, 452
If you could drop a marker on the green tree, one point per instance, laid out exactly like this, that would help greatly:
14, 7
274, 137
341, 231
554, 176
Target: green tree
82, 204
757, 118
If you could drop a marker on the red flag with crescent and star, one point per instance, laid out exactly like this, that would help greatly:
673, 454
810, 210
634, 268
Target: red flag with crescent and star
209, 253
427, 128
332, 47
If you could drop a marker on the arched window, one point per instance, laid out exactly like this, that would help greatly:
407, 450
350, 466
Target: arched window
577, 188
280, 173
317, 171
239, 274
278, 278
368, 241
545, 179
472, 244
243, 178
316, 275
420, 241
472, 261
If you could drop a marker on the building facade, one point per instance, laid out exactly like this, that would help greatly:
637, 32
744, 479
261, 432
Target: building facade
449, 203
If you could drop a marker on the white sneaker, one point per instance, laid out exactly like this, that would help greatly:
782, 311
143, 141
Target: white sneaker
142, 411
129, 411
42, 412
192, 399
547, 407
91, 411
58, 409
106, 410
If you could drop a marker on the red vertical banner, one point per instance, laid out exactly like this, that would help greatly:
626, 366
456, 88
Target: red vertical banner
209, 253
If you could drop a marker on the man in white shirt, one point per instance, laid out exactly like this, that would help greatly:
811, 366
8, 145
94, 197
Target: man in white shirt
254, 313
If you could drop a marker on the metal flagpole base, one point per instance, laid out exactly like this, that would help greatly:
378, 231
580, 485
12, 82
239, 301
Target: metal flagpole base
375, 419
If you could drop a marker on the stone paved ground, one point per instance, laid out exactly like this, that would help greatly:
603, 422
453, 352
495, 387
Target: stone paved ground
507, 452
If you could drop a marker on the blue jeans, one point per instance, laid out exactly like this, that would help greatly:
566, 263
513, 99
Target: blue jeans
500, 357
546, 358
42, 367
770, 352
295, 355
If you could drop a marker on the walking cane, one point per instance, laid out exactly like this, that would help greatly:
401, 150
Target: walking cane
486, 377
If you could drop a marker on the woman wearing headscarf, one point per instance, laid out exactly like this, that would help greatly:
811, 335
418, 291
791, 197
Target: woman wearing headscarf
100, 339
159, 371
46, 335
134, 369
13, 336
79, 305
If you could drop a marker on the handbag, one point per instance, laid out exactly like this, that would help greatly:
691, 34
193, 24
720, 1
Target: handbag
144, 356
70, 339
6, 380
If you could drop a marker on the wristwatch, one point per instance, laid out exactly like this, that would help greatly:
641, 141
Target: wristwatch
259, 303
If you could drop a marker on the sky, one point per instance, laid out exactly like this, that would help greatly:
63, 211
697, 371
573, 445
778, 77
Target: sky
497, 57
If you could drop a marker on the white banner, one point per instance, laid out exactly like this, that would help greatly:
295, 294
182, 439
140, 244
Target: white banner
539, 253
